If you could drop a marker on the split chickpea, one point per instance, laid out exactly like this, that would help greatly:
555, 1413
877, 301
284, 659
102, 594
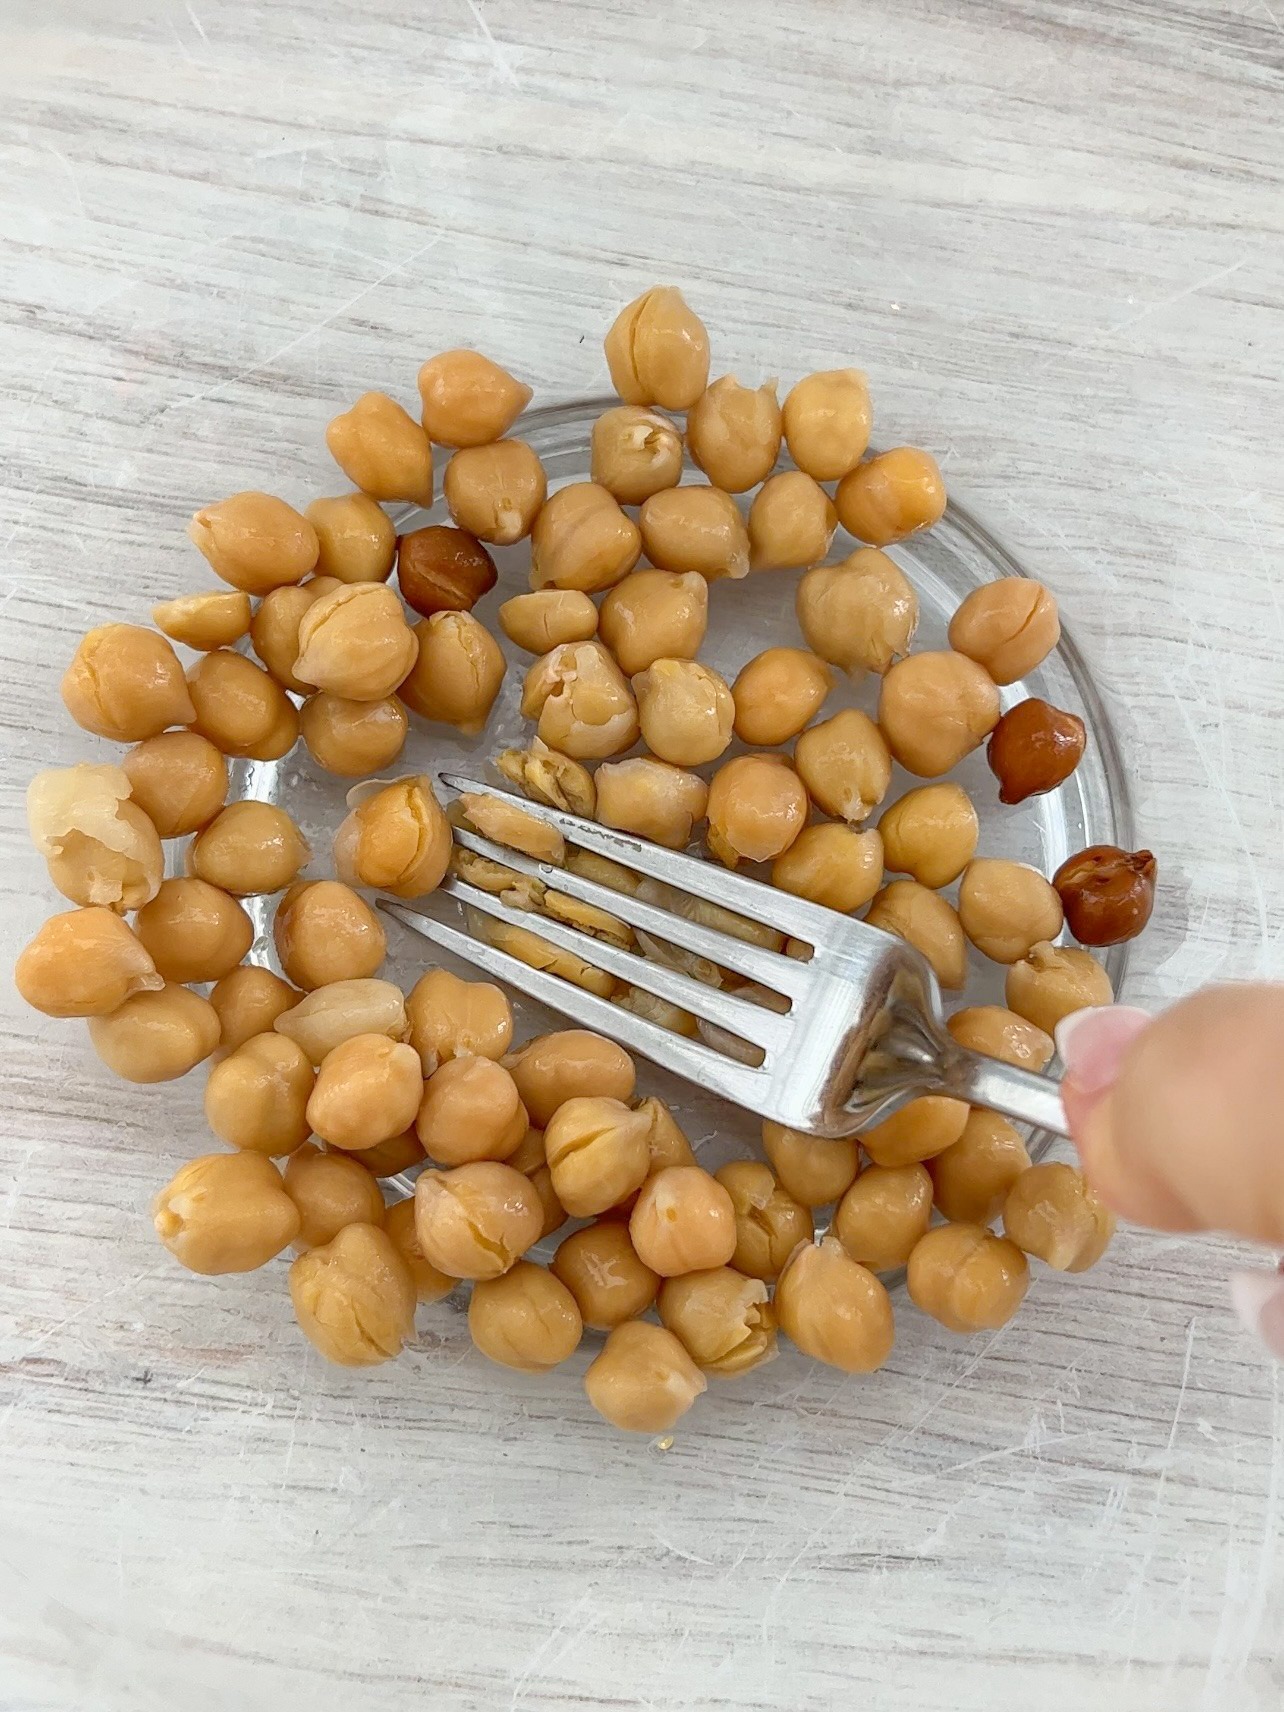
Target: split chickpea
100, 848
355, 642
1051, 1212
1052, 982
658, 351
861, 614
1009, 627
204, 621
544, 619
686, 712
582, 702
321, 1020
597, 1154
547, 777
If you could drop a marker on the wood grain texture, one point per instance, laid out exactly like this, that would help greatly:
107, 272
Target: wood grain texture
1052, 236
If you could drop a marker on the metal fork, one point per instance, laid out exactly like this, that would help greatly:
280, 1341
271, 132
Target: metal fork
863, 1033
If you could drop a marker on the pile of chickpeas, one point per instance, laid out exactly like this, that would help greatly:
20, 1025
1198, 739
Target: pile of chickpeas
325, 1079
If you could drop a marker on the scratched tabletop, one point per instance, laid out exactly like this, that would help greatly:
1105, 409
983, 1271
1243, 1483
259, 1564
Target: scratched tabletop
1051, 235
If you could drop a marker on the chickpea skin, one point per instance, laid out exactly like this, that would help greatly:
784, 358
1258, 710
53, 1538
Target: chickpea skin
861, 614
1051, 1212
544, 619
1009, 627
634, 453
721, 1318
883, 1214
84, 962
770, 1223
324, 932
240, 708
204, 621
225, 1212
547, 777
655, 615
477, 1220
330, 1192
1000, 1033
971, 1179
777, 693
382, 450
248, 1002
500, 820
255, 542
353, 739
156, 1036
399, 1224
845, 765
923, 919
643, 1381
1054, 981
934, 709
457, 674
597, 1154
470, 1111
757, 807
356, 540
126, 683
966, 1278
194, 932
683, 1221
919, 1130
582, 540
832, 865
834, 1309
733, 433
249, 847
178, 779
527, 1319
791, 523
496, 492
695, 529
321, 1020
658, 351
601, 1269
468, 400
367, 1090
100, 848
1007, 908
892, 496
930, 834
354, 1297
826, 420
395, 839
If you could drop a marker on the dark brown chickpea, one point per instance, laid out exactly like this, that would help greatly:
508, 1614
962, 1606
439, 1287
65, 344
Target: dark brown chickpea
443, 570
1034, 748
1107, 893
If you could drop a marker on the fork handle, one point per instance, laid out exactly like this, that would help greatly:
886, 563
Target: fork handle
1003, 1088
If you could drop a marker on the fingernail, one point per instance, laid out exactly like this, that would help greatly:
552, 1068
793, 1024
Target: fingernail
1258, 1300
1092, 1044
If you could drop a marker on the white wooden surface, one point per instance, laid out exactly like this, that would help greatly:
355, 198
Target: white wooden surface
1052, 235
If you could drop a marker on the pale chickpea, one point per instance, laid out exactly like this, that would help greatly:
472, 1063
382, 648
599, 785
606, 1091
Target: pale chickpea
1052, 982
178, 779
388, 1158
382, 450
274, 631
1007, 908
658, 350
331, 1192
721, 1318
860, 614
813, 1170
126, 683
204, 621
477, 1220
496, 492
248, 1002
695, 529
569, 1064
468, 400
923, 919
193, 931
256, 1097
826, 422
1009, 627
500, 820
777, 693
791, 523
651, 798
84, 962
635, 452
1000, 1033
930, 834
368, 1089
733, 433
582, 702
1052, 1213
457, 674
354, 1297
968, 1279
353, 738
396, 838
597, 1153
832, 865
643, 1381
399, 1225
582, 540
255, 542
834, 1309
470, 1110
683, 1221
225, 1212
655, 615
542, 620
601, 1269
527, 1319
356, 540
325, 1018
99, 846
686, 712
892, 496
249, 847
920, 1130
934, 709
355, 642
547, 777
240, 708
757, 807
845, 765
770, 1223
156, 1036
324, 932
883, 1214
971, 1179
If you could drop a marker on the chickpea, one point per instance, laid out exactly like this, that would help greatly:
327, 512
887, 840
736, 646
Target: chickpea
1108, 893
966, 1278
834, 1309
812, 1170
156, 1036
635, 453
84, 962
930, 834
655, 615
1052, 1213
757, 807
971, 1179
353, 738
583, 703
255, 542
1053, 981
652, 799
538, 953
733, 433
721, 1318
770, 1223
256, 1097
225, 1212
860, 614
450, 1018
791, 523
249, 847
443, 570
883, 1214
368, 1089
469, 400
382, 450
470, 1110
832, 865
477, 1220
527, 1319
695, 529
658, 351
504, 823
826, 421
601, 1269
684, 1221
934, 709
543, 620
194, 931
1009, 627
919, 1130
354, 1297
1034, 748
324, 932
1000, 1033
547, 777
399, 1226
923, 919
274, 632
396, 838
496, 492
1007, 908
326, 1017
531, 1160
204, 621
643, 1381
355, 642
331, 1192
100, 848
892, 496
597, 1153
356, 539
685, 711
178, 779
582, 540
248, 1002
388, 1158
777, 693
240, 708
665, 1140
457, 674
845, 765
126, 683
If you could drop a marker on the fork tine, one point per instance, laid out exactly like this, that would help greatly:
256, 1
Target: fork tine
741, 1083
